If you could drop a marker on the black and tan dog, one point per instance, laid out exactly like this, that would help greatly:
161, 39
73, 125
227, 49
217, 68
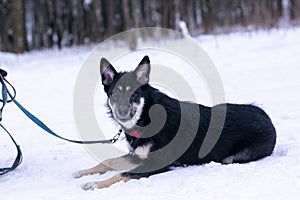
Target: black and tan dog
247, 133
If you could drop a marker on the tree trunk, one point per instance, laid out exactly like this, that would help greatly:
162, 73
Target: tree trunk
126, 15
5, 16
131, 37
294, 9
109, 22
58, 23
279, 7
80, 21
165, 13
191, 15
18, 26
176, 15
98, 26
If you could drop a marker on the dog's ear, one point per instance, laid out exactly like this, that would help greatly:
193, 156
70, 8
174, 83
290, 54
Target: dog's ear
107, 72
143, 70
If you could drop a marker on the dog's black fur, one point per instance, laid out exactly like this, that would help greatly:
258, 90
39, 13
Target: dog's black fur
247, 135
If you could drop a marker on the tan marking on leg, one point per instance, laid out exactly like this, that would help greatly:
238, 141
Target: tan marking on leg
106, 183
114, 164
100, 168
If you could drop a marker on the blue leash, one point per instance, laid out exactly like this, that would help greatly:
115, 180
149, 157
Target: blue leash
34, 119
19, 157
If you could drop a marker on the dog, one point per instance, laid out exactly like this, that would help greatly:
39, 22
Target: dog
247, 132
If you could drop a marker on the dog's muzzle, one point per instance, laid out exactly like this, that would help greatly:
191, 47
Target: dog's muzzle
125, 112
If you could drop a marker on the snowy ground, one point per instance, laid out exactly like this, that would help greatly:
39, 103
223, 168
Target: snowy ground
262, 67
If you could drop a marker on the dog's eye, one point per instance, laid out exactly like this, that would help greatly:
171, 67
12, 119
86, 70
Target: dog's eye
115, 93
134, 97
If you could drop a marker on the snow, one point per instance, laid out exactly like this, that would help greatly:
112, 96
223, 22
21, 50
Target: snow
184, 29
261, 68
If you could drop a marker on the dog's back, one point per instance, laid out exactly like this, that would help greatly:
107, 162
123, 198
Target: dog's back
246, 135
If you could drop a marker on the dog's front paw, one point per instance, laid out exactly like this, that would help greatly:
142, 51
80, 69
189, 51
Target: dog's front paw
89, 186
77, 174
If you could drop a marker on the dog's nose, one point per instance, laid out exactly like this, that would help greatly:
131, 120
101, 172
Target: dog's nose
123, 110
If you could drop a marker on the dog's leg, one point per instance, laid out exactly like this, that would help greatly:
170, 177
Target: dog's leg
100, 168
106, 183
135, 173
126, 162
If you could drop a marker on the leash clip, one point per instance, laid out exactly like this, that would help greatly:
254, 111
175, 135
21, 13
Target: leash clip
116, 137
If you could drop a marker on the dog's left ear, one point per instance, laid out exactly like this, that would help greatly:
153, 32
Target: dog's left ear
142, 71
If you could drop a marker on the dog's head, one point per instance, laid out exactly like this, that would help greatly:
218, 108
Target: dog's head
126, 97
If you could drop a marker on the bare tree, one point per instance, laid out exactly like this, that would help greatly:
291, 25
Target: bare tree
80, 29
127, 22
109, 21
177, 15
294, 9
18, 26
5, 33
97, 28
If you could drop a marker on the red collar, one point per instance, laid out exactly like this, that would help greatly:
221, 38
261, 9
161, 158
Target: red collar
135, 134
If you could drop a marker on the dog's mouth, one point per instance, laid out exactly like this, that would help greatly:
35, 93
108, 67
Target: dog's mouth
126, 117
123, 118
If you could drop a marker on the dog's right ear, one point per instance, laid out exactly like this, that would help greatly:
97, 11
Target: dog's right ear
107, 72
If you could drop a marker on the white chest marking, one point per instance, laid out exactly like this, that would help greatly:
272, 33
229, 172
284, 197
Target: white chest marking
143, 151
